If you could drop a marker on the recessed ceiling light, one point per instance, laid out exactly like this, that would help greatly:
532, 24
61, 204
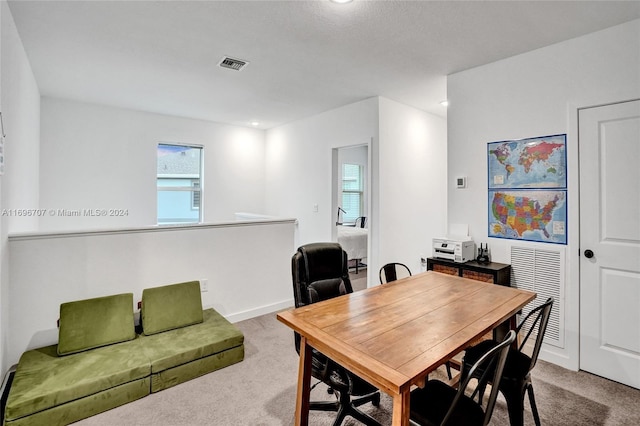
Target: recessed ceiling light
255, 123
444, 103
341, 1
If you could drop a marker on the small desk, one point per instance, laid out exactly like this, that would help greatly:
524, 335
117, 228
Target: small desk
395, 334
492, 272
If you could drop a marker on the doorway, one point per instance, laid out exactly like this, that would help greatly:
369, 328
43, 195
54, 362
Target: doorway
350, 203
609, 145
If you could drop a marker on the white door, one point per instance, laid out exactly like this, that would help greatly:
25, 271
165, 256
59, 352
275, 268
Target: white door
609, 145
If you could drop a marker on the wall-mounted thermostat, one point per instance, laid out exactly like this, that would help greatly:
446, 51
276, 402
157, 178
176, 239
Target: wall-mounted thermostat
461, 182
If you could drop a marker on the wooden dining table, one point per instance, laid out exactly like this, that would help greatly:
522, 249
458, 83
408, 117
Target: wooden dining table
394, 335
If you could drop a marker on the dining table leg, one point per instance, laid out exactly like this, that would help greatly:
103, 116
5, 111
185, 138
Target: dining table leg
304, 384
401, 408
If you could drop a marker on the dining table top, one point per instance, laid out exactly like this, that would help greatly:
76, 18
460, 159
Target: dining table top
394, 335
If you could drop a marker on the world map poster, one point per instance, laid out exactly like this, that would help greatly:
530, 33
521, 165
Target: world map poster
528, 163
527, 182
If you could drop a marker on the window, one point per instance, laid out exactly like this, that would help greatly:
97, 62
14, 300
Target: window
352, 190
179, 184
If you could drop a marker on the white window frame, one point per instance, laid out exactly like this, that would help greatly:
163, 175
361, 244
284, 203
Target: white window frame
190, 188
359, 191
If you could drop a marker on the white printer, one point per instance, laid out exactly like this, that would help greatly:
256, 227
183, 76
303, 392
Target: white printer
456, 249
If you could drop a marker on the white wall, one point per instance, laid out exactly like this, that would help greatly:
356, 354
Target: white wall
247, 266
21, 116
299, 161
407, 148
20, 106
413, 182
99, 157
536, 94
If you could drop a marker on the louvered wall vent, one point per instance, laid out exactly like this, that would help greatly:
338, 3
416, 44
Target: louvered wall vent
232, 63
542, 271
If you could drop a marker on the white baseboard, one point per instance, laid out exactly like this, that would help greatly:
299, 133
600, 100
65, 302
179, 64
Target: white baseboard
261, 310
558, 357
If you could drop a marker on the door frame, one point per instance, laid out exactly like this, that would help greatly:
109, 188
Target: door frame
335, 172
580, 248
570, 357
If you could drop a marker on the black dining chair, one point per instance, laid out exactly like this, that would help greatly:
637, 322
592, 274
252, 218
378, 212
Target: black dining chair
516, 379
360, 222
393, 271
320, 272
438, 404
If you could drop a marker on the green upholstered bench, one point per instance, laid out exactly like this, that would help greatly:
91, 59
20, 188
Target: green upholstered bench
181, 340
100, 363
96, 365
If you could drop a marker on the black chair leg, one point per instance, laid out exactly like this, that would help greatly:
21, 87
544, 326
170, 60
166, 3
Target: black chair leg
514, 396
348, 408
373, 398
364, 418
324, 405
534, 407
342, 413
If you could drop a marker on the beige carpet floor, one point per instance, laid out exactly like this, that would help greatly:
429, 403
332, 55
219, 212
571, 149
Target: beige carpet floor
261, 390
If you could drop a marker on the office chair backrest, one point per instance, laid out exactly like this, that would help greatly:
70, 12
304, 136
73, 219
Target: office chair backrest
319, 270
393, 271
536, 320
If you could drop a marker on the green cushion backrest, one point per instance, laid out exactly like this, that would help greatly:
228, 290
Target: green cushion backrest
90, 323
171, 306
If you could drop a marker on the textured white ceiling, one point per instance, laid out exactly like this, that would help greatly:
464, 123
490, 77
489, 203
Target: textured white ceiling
305, 57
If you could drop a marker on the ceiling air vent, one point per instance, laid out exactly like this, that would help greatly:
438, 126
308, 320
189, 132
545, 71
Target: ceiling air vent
232, 63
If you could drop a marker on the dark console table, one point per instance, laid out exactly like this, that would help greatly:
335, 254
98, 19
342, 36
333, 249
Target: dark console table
492, 272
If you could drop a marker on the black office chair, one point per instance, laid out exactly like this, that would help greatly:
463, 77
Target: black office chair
320, 272
438, 404
516, 380
360, 222
393, 271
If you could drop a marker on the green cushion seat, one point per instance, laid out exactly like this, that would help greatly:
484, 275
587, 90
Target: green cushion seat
44, 380
179, 347
196, 368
